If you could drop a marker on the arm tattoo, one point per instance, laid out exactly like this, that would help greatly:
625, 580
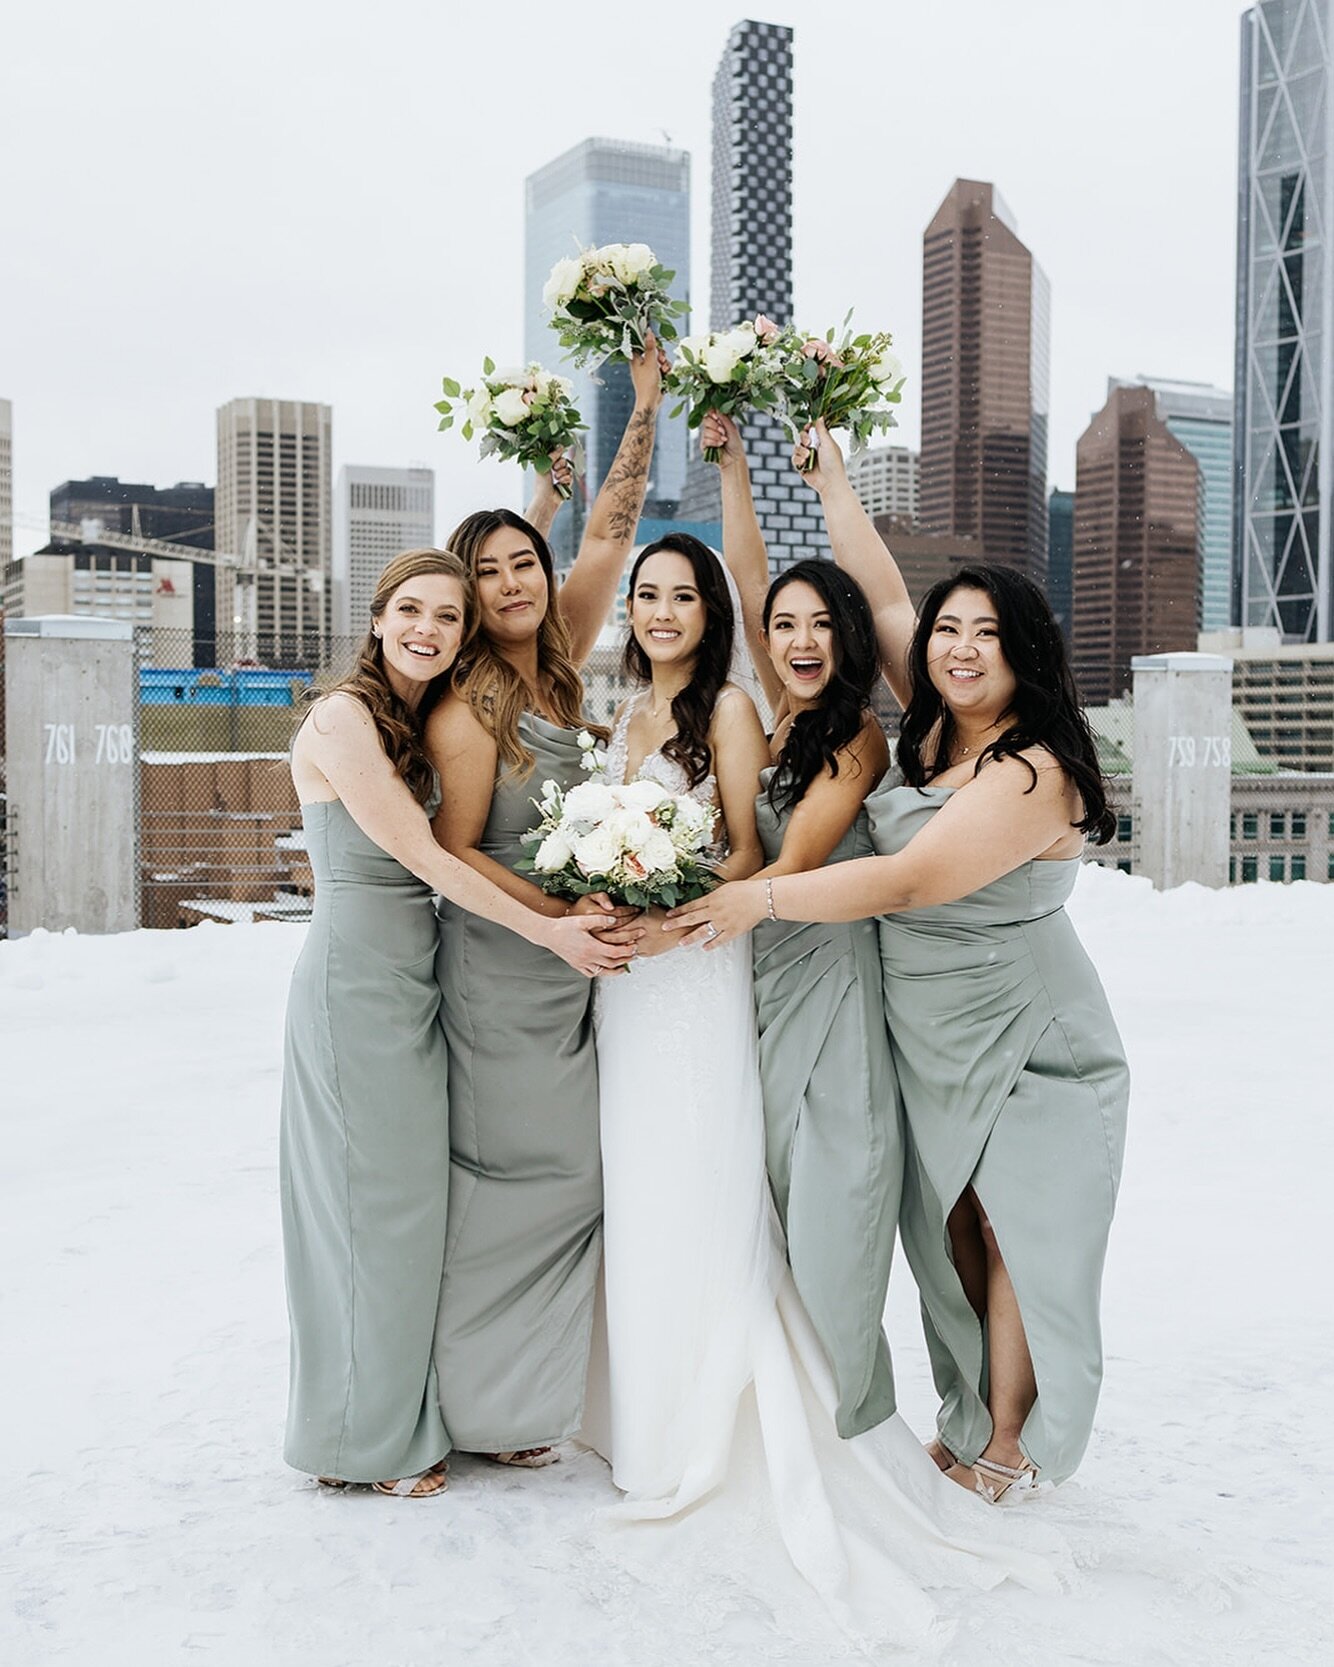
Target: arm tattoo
623, 488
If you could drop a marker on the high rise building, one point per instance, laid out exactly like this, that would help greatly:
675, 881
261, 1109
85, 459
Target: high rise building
885, 479
377, 514
607, 191
6, 483
1061, 557
986, 309
1200, 417
183, 594
1139, 501
751, 264
274, 509
1283, 509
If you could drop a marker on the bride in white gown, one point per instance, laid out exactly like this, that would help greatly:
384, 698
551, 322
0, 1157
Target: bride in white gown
708, 1382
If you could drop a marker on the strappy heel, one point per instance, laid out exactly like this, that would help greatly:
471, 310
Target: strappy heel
994, 1481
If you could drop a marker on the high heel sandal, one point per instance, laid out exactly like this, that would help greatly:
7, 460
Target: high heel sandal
994, 1481
406, 1487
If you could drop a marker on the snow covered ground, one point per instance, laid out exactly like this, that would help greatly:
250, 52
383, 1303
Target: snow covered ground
146, 1516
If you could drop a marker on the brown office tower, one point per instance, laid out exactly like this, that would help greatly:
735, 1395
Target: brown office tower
1139, 502
986, 308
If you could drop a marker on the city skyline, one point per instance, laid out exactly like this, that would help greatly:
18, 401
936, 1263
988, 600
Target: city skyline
373, 334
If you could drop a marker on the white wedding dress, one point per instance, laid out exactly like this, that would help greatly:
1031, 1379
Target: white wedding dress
708, 1387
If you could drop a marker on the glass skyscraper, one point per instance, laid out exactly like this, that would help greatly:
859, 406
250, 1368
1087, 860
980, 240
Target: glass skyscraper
607, 191
1283, 445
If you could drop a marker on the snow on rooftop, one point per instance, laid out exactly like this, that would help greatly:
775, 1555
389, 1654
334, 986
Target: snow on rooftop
148, 1516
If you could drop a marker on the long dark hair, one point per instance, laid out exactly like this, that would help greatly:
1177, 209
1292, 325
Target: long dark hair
692, 709
399, 728
1045, 711
496, 694
818, 734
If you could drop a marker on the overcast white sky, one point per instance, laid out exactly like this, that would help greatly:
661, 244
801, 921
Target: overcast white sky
326, 201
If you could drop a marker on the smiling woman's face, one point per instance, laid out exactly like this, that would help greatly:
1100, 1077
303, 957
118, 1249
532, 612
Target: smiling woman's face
667, 612
420, 631
512, 590
964, 657
801, 642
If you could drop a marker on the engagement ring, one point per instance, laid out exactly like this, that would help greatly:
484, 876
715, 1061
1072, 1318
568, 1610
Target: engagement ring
713, 930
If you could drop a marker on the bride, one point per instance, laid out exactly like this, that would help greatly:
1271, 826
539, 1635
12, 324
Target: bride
708, 1381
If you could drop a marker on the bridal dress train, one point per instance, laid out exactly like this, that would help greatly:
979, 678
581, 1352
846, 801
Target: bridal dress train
709, 1393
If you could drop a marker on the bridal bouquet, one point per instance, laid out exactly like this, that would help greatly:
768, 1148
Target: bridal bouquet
640, 843
523, 414
851, 385
755, 366
605, 301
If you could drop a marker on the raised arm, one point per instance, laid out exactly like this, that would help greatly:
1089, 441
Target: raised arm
339, 740
986, 829
860, 551
744, 548
546, 501
589, 590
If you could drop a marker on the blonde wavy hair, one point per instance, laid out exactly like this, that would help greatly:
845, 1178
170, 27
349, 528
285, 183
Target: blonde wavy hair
400, 729
494, 691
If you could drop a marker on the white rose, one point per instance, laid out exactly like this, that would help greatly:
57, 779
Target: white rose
565, 278
589, 802
511, 408
512, 376
641, 795
553, 853
742, 340
479, 408
550, 793
656, 852
887, 370
719, 359
694, 345
596, 852
630, 261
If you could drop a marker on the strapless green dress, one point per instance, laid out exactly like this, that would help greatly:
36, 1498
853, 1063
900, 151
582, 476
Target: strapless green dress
1014, 1080
525, 1172
364, 1164
833, 1127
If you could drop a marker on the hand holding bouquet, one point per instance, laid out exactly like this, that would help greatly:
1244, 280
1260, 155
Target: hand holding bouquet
851, 385
605, 302
734, 372
525, 415
640, 843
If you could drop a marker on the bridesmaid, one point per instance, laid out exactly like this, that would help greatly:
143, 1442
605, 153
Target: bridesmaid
364, 1150
834, 1143
1013, 1076
525, 1239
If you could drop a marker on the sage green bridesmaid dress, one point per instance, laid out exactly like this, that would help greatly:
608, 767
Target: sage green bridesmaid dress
525, 1182
833, 1128
364, 1164
1014, 1080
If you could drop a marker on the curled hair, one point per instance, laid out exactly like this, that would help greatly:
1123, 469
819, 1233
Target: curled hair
398, 726
1045, 711
819, 733
692, 708
495, 692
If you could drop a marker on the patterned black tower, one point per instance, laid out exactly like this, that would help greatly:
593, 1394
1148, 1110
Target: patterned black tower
751, 264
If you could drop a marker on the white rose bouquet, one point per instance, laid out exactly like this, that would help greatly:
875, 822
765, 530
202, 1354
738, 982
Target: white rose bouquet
851, 384
747, 368
523, 414
605, 301
640, 843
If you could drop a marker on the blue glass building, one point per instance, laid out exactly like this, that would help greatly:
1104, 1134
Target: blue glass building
607, 191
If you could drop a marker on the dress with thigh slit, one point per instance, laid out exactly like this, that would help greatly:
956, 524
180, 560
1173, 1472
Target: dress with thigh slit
1014, 1081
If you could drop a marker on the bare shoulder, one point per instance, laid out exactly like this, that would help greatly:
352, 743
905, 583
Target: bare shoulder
452, 723
869, 749
339, 717
733, 706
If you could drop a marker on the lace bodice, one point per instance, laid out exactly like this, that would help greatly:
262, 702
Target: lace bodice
665, 771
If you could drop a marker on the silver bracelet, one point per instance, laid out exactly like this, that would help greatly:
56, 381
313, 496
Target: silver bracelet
769, 898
